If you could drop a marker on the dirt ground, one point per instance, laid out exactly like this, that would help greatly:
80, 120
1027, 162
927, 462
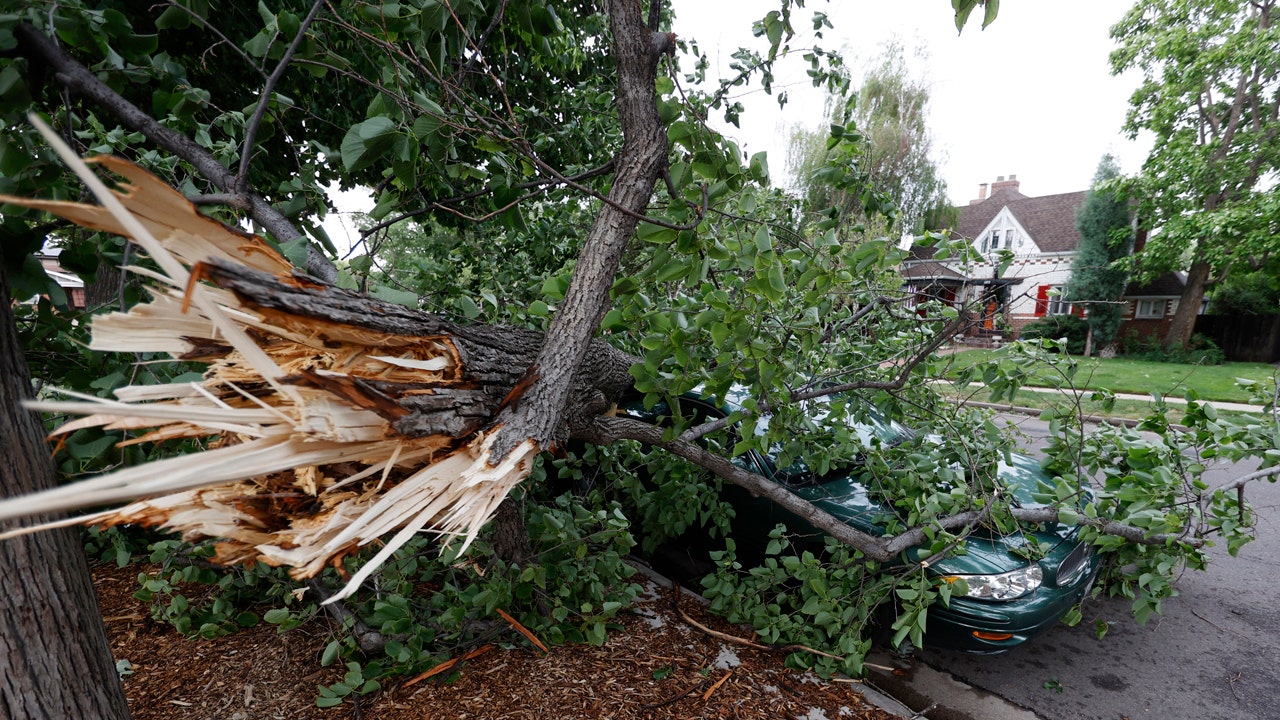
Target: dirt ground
658, 666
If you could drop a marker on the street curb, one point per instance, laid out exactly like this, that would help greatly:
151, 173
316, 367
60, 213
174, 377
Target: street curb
1035, 412
939, 695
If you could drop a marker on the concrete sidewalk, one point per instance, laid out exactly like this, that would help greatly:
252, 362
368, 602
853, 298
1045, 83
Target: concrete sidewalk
1217, 404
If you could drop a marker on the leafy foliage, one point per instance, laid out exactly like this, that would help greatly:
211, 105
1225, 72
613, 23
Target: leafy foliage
1056, 327
1253, 293
804, 599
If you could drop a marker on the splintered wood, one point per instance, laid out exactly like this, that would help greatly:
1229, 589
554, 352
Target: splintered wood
301, 462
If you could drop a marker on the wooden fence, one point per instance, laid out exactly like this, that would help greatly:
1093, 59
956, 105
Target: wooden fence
1244, 338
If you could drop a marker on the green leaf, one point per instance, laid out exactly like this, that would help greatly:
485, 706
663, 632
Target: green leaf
993, 8
366, 142
777, 280
275, 616
330, 653
395, 295
361, 264
470, 310
764, 242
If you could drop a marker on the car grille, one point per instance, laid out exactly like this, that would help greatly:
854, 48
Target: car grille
1070, 568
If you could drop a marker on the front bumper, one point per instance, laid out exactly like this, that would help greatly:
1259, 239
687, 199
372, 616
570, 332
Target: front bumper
953, 627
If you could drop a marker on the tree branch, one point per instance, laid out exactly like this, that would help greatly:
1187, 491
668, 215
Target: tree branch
539, 415
80, 80
605, 430
264, 99
540, 184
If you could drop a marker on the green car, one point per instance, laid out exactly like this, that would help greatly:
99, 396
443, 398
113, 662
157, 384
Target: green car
1009, 599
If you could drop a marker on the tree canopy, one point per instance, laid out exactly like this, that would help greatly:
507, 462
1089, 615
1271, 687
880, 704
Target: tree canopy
1211, 97
879, 129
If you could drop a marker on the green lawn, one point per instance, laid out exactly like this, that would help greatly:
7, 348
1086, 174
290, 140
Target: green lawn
1120, 375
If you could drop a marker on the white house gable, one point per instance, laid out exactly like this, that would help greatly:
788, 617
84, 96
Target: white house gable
1004, 231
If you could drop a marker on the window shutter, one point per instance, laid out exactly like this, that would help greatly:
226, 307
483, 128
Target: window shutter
1042, 300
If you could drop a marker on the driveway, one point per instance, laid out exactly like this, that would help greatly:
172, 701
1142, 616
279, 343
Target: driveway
1214, 653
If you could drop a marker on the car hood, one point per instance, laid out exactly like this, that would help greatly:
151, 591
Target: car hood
846, 497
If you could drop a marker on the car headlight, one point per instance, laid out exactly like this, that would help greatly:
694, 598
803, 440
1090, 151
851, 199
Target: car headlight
1005, 586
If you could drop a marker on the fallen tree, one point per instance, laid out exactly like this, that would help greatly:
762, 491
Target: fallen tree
329, 419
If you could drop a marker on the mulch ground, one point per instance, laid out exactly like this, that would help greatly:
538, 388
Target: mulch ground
656, 667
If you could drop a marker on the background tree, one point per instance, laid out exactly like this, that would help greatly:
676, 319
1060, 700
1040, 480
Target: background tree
1211, 97
877, 134
1106, 235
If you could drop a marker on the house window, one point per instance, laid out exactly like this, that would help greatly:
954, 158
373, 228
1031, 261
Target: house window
995, 239
1049, 301
1149, 309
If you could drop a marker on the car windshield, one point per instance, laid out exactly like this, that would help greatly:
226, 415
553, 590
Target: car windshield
870, 430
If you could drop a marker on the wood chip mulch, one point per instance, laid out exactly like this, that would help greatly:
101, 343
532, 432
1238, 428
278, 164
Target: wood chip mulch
655, 667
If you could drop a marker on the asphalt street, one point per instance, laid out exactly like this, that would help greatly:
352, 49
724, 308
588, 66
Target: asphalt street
1213, 654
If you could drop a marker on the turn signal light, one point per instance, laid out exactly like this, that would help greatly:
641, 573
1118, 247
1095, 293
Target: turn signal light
983, 635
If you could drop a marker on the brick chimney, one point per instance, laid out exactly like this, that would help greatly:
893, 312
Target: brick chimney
982, 194
1001, 184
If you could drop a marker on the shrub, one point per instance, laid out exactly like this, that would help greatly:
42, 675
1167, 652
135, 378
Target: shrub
1073, 328
1256, 293
1200, 350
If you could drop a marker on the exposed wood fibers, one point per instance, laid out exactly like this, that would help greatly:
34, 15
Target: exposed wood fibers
302, 464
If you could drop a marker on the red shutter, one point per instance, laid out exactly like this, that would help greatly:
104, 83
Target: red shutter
1042, 300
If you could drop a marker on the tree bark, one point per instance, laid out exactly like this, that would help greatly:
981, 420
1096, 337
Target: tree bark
1184, 319
492, 359
55, 661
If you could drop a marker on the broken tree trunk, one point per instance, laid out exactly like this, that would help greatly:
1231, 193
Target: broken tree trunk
336, 419
330, 419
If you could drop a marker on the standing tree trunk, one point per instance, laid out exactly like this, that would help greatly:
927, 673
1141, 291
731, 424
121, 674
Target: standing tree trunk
1184, 319
55, 661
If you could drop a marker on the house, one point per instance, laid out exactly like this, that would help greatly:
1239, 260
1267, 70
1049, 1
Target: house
68, 281
1041, 233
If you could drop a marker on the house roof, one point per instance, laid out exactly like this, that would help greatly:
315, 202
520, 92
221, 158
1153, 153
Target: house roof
1169, 284
1050, 220
930, 270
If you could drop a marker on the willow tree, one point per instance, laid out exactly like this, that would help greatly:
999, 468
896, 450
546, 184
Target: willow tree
875, 135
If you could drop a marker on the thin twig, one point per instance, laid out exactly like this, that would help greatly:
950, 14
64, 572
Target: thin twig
370, 641
264, 100
675, 602
676, 698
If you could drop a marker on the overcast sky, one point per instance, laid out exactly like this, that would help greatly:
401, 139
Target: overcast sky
1032, 95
